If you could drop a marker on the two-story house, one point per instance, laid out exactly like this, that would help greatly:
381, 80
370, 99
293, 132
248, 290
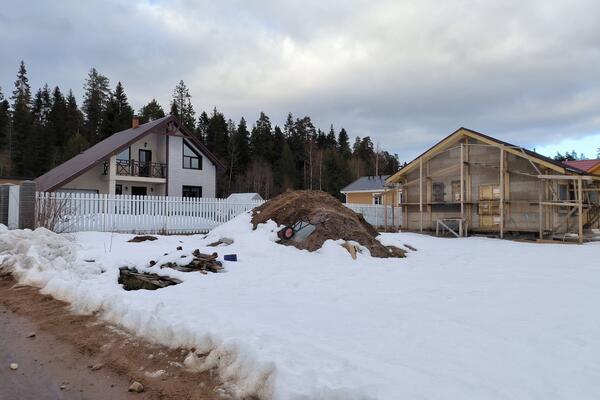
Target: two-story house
159, 158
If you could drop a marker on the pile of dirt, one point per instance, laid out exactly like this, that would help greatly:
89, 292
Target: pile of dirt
325, 217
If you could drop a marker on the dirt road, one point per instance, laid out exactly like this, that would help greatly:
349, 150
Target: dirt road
57, 362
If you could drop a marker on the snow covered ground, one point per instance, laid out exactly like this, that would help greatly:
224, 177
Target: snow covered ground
458, 319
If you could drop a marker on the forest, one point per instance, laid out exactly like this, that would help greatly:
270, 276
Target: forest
40, 130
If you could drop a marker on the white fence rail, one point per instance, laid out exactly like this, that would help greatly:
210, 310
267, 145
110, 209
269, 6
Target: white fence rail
376, 214
74, 212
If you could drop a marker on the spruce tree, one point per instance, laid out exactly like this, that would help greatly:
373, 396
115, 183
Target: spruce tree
287, 168
42, 143
330, 142
241, 140
74, 119
343, 144
261, 140
4, 121
95, 100
118, 113
57, 126
181, 106
202, 127
216, 135
151, 111
22, 126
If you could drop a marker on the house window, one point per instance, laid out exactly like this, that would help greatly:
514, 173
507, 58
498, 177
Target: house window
438, 192
191, 191
191, 159
376, 199
118, 189
124, 155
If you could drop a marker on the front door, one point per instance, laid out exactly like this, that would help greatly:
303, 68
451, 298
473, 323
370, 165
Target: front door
145, 161
139, 190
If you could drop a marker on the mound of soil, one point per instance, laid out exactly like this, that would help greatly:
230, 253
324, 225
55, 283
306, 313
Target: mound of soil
331, 220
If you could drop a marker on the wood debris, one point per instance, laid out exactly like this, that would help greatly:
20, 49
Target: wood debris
131, 279
142, 238
222, 241
201, 262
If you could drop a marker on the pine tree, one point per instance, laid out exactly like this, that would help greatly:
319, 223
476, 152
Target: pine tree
343, 145
22, 125
261, 141
151, 112
241, 140
57, 126
118, 113
330, 142
202, 127
74, 120
216, 135
4, 121
181, 106
95, 100
42, 143
286, 166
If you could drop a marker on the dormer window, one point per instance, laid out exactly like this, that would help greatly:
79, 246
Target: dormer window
191, 159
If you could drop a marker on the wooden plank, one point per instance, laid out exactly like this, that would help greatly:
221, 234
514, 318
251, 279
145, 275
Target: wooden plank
541, 210
421, 194
580, 201
462, 181
502, 168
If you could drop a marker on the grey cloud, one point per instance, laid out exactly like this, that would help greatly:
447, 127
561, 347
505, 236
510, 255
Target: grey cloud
405, 73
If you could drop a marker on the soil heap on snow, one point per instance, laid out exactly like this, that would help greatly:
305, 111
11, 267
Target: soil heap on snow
330, 218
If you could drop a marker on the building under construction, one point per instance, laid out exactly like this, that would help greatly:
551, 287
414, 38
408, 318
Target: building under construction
471, 182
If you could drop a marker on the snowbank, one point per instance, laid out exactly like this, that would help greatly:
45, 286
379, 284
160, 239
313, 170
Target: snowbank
460, 318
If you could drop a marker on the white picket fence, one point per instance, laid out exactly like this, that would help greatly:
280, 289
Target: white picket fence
376, 214
76, 212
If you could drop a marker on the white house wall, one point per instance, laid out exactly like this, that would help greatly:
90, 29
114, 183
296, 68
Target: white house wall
94, 179
178, 176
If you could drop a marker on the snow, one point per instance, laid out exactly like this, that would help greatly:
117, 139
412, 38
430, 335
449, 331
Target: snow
470, 318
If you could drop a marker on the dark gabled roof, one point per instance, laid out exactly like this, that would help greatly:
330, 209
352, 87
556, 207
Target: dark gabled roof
110, 146
366, 183
529, 153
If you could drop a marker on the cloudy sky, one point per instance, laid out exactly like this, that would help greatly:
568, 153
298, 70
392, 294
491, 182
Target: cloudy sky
406, 73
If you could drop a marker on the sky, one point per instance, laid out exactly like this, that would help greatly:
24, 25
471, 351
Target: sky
405, 73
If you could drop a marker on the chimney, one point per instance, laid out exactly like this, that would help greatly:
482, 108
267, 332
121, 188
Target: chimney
135, 123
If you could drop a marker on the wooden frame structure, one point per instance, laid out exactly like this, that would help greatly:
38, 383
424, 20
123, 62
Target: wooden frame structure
496, 187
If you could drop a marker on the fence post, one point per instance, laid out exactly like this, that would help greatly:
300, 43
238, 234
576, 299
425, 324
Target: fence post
4, 193
27, 205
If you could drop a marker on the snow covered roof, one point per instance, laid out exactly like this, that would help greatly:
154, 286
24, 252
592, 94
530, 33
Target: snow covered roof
245, 197
366, 184
110, 146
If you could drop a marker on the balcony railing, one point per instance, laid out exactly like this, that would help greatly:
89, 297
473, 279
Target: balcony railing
138, 168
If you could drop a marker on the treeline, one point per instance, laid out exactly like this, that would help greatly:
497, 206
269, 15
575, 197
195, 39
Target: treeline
39, 131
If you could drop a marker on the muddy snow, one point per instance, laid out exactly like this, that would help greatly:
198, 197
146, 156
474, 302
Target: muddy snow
459, 318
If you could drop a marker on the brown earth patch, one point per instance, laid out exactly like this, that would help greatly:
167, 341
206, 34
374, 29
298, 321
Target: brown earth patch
110, 350
332, 220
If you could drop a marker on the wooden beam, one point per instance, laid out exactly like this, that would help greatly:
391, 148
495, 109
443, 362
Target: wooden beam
580, 201
502, 167
462, 181
541, 210
421, 194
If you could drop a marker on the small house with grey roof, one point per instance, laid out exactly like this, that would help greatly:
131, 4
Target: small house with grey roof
371, 190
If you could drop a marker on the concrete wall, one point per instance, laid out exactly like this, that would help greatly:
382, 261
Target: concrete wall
178, 176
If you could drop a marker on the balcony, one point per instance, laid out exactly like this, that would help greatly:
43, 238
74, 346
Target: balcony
138, 168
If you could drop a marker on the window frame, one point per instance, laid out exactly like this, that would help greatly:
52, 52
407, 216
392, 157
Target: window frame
198, 157
377, 199
123, 160
118, 188
185, 188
